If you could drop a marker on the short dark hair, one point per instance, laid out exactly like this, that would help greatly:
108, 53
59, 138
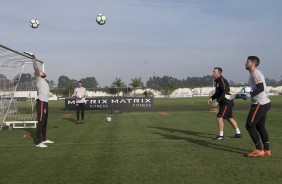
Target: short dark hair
80, 82
254, 59
218, 68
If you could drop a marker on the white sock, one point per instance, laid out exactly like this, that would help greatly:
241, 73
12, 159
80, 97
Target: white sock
237, 131
220, 133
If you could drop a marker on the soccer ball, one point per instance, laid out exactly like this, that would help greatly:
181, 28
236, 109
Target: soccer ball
34, 23
109, 119
246, 89
101, 19
79, 95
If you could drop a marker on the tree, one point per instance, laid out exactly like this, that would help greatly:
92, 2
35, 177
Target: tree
116, 85
232, 83
3, 82
63, 81
69, 88
52, 84
90, 82
26, 77
271, 82
136, 82
190, 82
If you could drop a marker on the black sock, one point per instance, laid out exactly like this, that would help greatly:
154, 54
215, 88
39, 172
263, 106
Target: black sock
258, 146
266, 146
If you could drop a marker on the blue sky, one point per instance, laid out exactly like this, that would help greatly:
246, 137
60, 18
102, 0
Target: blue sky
143, 38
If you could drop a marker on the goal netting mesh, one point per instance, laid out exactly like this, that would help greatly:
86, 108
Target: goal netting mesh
17, 90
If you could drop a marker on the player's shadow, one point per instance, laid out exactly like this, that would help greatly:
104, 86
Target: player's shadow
69, 119
188, 132
200, 142
32, 134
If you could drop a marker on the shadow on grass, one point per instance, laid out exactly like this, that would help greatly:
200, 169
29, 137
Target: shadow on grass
204, 143
72, 120
32, 134
172, 130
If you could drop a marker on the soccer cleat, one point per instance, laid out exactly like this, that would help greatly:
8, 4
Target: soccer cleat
236, 136
256, 153
48, 142
218, 138
41, 145
82, 122
77, 122
267, 153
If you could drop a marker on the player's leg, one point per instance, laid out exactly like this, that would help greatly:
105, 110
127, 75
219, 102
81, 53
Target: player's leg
262, 130
232, 121
40, 124
220, 121
251, 125
77, 112
82, 107
234, 124
44, 130
45, 119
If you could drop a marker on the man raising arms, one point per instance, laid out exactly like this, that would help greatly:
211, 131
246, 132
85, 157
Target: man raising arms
41, 105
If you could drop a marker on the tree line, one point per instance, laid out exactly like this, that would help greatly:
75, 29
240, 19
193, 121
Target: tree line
166, 84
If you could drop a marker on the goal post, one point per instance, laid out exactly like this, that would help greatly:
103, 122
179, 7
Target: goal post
17, 89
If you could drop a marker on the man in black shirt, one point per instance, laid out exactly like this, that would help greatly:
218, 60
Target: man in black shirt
225, 105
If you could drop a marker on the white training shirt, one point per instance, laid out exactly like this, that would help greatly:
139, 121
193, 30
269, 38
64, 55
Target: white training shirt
42, 89
81, 91
257, 77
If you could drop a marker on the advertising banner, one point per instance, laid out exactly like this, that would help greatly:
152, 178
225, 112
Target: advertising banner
96, 103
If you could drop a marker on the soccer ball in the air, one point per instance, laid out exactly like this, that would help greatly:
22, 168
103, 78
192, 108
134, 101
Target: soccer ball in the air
246, 89
109, 119
101, 19
34, 23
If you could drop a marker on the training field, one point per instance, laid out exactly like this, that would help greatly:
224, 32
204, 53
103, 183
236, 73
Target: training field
170, 144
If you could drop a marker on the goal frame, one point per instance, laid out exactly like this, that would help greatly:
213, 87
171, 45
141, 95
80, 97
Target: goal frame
22, 123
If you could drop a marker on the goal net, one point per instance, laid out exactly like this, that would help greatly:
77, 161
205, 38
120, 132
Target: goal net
17, 90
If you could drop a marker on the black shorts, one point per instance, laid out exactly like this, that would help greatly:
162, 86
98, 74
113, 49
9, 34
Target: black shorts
225, 110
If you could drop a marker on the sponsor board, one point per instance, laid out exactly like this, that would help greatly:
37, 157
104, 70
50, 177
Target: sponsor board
96, 103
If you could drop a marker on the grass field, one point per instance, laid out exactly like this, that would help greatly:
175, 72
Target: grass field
170, 144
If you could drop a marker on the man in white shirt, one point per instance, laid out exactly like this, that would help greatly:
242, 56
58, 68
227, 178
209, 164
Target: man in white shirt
80, 93
260, 105
41, 105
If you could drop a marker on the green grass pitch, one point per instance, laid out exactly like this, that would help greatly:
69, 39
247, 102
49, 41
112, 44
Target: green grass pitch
170, 144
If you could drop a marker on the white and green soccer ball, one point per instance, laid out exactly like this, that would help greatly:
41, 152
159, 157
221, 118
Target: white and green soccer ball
101, 19
246, 89
34, 23
109, 119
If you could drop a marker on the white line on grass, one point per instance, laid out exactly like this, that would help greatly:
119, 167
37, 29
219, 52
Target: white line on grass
106, 142
96, 142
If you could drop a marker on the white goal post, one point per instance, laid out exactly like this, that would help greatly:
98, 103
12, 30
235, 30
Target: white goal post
17, 90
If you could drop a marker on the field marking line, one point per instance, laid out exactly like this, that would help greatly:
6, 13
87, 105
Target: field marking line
96, 142
105, 142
